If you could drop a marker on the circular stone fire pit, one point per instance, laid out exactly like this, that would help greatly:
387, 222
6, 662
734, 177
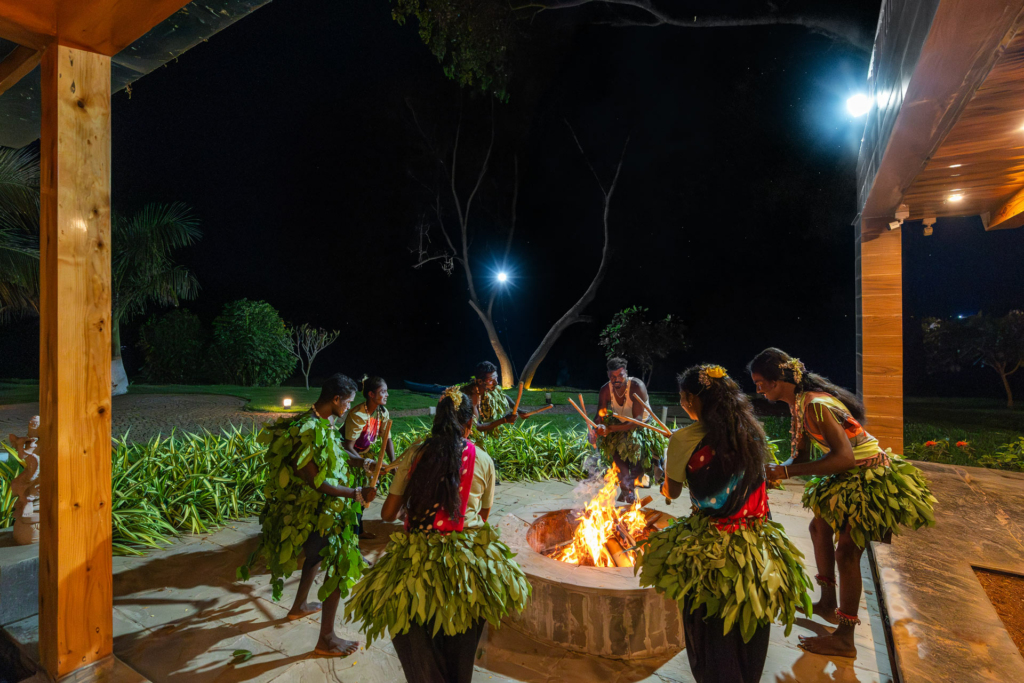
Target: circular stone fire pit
597, 610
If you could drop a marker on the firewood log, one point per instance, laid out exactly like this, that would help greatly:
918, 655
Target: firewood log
620, 557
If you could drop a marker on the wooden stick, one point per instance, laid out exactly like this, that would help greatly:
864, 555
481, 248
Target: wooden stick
644, 424
649, 409
582, 414
582, 404
538, 411
518, 399
645, 501
383, 450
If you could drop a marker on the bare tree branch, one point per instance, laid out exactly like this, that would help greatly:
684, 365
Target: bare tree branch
649, 13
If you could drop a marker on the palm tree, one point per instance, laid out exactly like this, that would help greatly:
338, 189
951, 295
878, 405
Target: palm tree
19, 233
143, 272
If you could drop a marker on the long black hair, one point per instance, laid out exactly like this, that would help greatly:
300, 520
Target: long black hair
733, 432
437, 475
775, 365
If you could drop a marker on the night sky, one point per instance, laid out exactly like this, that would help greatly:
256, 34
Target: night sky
290, 136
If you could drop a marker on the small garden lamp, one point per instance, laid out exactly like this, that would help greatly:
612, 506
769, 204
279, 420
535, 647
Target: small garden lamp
287, 403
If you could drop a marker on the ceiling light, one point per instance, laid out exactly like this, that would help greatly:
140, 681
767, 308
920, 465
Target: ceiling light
955, 165
956, 197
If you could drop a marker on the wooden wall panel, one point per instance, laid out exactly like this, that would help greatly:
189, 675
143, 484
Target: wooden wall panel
75, 580
880, 335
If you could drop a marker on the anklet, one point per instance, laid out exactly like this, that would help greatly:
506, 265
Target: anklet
846, 619
825, 580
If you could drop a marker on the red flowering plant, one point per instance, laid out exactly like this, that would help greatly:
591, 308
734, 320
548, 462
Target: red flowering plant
935, 450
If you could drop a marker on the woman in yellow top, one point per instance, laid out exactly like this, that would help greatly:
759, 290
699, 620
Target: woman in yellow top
439, 583
858, 493
363, 425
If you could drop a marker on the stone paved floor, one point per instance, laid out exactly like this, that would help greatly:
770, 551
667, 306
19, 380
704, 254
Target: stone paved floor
943, 625
179, 614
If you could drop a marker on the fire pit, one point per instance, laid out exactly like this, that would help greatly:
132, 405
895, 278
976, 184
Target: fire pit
600, 609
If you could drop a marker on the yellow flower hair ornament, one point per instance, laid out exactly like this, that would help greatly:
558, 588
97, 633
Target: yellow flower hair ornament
796, 367
455, 394
711, 372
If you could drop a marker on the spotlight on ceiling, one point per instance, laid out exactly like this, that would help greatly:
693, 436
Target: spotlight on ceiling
502, 276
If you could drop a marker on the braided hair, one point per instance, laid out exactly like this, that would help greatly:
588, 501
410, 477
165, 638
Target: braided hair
775, 365
438, 469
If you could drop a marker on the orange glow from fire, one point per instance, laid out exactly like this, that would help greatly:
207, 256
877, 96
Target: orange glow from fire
597, 527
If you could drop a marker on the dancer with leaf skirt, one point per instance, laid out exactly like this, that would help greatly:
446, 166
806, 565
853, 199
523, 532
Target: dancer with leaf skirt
362, 427
858, 493
311, 505
729, 567
636, 451
441, 581
492, 406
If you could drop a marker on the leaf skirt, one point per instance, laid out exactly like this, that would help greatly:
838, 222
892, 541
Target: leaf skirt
748, 578
445, 582
640, 445
872, 501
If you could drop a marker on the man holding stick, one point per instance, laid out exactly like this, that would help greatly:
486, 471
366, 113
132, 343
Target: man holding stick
492, 407
635, 450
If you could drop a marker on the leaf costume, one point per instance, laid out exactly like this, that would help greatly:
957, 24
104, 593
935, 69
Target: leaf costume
294, 510
874, 499
494, 405
439, 574
731, 570
638, 446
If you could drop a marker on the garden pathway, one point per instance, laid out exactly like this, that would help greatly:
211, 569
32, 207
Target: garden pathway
143, 416
179, 614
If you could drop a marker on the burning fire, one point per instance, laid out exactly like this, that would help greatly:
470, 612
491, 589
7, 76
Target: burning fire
605, 531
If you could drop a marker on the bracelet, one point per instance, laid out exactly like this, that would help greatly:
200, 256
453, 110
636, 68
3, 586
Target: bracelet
359, 495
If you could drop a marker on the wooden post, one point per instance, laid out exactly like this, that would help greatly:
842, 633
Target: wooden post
880, 332
75, 580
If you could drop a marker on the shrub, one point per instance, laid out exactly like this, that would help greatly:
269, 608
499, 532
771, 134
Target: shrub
173, 346
250, 345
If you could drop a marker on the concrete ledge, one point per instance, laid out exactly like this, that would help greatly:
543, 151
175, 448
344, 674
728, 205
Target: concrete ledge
19, 579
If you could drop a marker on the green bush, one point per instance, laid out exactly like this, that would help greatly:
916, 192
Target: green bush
179, 484
250, 345
173, 346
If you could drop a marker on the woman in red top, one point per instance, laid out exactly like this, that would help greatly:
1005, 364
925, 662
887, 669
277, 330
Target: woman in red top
732, 570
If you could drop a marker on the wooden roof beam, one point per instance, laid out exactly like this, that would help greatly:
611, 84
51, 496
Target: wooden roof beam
17, 64
1010, 215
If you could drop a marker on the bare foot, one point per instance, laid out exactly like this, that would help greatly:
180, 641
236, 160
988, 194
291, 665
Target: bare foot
333, 646
834, 645
304, 610
826, 609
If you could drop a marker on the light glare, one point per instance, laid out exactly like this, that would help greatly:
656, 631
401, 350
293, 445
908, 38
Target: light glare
502, 276
858, 105
287, 403
956, 197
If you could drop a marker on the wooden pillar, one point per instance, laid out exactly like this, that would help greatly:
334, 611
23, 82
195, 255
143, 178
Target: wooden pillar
75, 580
880, 331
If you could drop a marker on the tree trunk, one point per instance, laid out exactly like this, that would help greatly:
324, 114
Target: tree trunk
1006, 385
118, 377
507, 376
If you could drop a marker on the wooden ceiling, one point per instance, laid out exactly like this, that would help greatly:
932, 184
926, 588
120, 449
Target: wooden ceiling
102, 26
982, 157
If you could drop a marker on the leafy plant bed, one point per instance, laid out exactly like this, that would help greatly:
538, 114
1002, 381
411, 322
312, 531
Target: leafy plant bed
1006, 592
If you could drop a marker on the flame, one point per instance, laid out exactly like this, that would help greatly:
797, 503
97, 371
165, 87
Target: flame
597, 527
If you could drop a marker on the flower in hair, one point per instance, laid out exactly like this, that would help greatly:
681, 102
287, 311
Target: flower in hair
796, 367
455, 394
710, 372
